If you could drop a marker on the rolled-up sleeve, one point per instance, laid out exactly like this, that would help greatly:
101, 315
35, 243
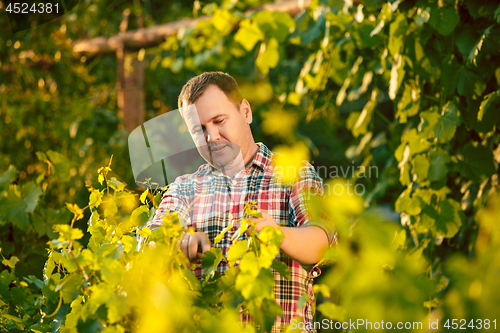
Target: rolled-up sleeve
174, 200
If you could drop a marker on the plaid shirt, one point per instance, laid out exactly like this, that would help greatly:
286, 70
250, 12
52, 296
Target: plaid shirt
209, 200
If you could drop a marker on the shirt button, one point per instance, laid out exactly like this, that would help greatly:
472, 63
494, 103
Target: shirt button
230, 216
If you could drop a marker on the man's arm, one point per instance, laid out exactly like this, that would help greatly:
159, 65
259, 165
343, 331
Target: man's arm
177, 200
304, 244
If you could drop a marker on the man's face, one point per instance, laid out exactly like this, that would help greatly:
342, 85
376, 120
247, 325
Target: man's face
223, 125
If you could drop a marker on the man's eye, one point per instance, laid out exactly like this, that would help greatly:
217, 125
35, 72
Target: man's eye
219, 121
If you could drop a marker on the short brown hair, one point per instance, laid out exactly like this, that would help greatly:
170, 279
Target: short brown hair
193, 89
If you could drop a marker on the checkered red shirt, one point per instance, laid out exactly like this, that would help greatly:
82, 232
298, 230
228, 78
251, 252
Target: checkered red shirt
219, 198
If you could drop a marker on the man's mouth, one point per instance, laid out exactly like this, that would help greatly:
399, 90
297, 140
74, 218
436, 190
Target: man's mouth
218, 149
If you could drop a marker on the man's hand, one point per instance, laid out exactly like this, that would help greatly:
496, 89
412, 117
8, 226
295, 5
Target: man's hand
191, 243
265, 221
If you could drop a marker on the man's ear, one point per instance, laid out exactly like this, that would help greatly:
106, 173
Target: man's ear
247, 111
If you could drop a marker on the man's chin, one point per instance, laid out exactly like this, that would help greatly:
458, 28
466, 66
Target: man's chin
227, 164
227, 160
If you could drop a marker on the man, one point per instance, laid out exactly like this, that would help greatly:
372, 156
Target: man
240, 170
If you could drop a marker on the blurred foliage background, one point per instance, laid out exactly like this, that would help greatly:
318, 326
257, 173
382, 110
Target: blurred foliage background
399, 97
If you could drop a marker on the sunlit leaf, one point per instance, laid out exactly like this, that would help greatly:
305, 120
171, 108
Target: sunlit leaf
249, 34
281, 268
289, 160
236, 251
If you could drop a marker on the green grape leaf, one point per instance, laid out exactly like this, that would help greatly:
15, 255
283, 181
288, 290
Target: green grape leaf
428, 122
38, 224
157, 198
439, 282
313, 31
222, 20
118, 307
95, 198
410, 205
251, 286
116, 184
66, 232
129, 243
101, 294
448, 122
321, 289
236, 251
70, 287
445, 220
6, 277
269, 58
469, 83
407, 107
11, 262
266, 317
282, 268
416, 143
490, 100
444, 20
89, 325
438, 161
358, 122
397, 75
276, 25
32, 193
112, 271
211, 260
144, 196
13, 318
100, 178
15, 210
449, 73
477, 163
7, 177
77, 211
19, 296
363, 34
61, 165
285, 24
404, 176
420, 168
249, 264
449, 220
466, 39
249, 34
397, 32
72, 317
332, 311
303, 299
139, 216
89, 259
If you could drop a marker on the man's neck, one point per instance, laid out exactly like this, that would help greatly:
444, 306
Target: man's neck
251, 155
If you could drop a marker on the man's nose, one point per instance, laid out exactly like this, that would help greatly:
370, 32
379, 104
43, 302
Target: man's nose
212, 135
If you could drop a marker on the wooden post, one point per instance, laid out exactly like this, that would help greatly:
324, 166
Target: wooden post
130, 82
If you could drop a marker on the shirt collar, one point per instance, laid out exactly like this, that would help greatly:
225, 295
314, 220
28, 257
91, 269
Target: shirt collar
262, 158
